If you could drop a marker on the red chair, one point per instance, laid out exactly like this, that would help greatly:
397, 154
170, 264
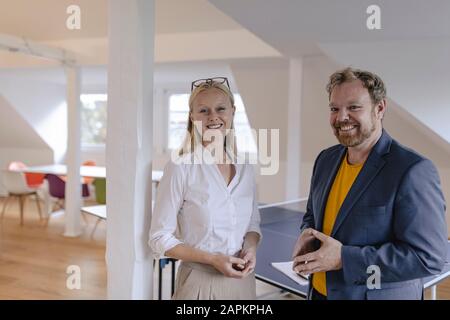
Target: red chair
34, 180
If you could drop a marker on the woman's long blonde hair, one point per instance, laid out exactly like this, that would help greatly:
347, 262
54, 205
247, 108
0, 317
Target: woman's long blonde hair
192, 138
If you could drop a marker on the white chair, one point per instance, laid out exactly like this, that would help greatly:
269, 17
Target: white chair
16, 185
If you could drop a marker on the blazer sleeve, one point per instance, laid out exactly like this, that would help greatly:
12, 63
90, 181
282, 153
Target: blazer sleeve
420, 229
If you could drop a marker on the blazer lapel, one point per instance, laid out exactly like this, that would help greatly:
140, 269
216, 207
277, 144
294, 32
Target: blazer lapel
330, 175
373, 165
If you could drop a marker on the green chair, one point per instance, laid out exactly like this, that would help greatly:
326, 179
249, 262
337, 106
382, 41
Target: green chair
100, 190
100, 197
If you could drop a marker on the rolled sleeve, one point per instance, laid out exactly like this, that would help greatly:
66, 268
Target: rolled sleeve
168, 203
255, 219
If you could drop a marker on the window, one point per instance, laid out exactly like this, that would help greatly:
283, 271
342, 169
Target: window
93, 119
178, 116
244, 138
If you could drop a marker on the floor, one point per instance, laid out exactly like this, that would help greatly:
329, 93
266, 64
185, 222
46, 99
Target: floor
35, 260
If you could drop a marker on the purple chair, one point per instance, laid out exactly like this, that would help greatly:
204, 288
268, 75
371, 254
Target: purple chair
57, 189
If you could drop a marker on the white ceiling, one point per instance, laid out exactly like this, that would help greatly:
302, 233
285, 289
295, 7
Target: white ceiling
181, 25
294, 26
178, 16
411, 51
45, 20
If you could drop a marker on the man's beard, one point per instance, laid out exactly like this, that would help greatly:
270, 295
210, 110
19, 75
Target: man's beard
359, 136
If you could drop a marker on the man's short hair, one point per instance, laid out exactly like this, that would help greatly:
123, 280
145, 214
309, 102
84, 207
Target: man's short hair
371, 82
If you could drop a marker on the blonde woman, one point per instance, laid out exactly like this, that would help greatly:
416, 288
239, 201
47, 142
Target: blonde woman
206, 212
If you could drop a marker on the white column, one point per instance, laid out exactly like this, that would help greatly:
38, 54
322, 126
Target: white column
293, 136
128, 148
73, 186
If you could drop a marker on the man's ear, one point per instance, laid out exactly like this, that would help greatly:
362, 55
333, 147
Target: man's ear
381, 109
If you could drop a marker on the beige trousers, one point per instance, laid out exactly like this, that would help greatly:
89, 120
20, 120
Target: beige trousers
197, 281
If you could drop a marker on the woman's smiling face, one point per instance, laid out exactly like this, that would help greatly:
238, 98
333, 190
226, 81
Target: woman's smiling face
215, 111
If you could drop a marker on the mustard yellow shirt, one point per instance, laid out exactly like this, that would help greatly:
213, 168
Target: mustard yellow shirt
342, 183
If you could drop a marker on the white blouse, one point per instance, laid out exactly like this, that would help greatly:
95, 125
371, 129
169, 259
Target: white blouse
194, 206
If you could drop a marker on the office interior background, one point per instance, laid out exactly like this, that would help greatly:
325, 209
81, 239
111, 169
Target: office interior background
277, 55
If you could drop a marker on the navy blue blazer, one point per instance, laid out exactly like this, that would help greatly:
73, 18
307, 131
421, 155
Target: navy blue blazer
393, 217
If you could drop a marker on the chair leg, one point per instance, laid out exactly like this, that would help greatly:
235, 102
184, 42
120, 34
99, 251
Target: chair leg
95, 227
4, 206
56, 205
47, 219
38, 206
83, 215
21, 204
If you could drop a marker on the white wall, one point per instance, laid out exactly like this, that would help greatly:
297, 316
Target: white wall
416, 72
263, 85
38, 96
15, 131
19, 141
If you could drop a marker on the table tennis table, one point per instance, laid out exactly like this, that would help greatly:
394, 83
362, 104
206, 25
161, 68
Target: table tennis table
280, 226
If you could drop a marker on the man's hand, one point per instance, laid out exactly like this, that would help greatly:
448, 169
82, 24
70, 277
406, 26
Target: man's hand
304, 244
327, 258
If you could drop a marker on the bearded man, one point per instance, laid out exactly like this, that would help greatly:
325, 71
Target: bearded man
375, 209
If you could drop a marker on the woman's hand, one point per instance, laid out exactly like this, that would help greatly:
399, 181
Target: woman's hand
228, 265
249, 256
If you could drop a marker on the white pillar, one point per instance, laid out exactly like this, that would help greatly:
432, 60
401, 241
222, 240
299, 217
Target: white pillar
128, 148
294, 129
73, 186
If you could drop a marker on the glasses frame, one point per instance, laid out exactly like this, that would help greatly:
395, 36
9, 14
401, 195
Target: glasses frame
221, 80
